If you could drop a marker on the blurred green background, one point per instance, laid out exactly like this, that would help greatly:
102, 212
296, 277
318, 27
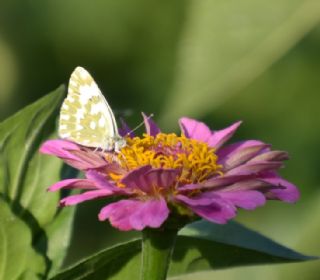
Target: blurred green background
216, 60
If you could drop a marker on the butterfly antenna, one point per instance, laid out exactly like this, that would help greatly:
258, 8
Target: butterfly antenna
139, 125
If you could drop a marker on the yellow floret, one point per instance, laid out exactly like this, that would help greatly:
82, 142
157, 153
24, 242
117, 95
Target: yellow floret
196, 159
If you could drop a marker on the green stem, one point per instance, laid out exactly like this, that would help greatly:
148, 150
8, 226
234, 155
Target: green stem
157, 247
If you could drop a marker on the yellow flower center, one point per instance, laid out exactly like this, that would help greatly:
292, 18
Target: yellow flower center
196, 160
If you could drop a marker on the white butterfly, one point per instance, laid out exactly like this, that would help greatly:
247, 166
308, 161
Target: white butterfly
86, 117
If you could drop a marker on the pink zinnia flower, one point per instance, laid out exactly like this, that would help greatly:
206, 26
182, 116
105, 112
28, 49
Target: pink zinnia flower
158, 176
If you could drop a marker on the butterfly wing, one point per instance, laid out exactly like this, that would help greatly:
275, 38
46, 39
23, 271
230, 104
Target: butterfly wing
85, 116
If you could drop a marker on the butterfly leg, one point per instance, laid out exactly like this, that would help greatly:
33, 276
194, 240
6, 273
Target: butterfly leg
96, 149
103, 151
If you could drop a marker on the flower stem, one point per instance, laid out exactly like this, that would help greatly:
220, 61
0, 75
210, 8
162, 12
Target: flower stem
157, 247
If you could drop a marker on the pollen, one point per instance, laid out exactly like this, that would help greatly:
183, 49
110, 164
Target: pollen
195, 160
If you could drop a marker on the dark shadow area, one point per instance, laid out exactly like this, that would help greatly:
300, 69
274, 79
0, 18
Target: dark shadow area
104, 264
218, 256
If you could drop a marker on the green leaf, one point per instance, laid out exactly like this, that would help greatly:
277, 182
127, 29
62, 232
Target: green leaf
204, 246
200, 246
56, 238
118, 262
25, 175
227, 44
16, 252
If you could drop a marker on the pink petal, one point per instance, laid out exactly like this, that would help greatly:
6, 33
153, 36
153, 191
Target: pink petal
199, 200
89, 195
151, 127
81, 165
286, 192
255, 168
89, 159
219, 137
210, 207
134, 214
146, 178
101, 182
217, 213
249, 184
236, 154
217, 182
134, 178
194, 129
72, 154
201, 132
228, 150
73, 184
152, 214
125, 130
245, 199
59, 148
271, 156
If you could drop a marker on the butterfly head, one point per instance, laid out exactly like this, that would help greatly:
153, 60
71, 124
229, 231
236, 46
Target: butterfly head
119, 143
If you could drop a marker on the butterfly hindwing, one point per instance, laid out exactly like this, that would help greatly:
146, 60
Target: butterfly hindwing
85, 116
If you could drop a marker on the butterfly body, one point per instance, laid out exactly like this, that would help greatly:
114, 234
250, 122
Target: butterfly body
86, 117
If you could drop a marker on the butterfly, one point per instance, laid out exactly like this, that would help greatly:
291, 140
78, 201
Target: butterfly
86, 117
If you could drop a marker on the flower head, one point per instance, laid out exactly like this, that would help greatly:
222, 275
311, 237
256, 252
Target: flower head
159, 175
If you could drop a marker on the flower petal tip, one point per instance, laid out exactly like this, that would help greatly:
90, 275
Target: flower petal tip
151, 127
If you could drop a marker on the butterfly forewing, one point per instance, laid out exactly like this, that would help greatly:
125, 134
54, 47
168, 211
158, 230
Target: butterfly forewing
85, 116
